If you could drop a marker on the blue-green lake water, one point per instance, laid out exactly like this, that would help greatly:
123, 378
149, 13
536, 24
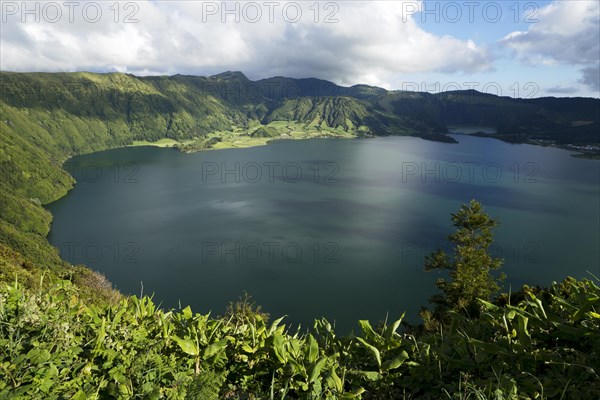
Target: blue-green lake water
334, 228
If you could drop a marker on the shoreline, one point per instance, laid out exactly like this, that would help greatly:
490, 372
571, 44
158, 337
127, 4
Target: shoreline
244, 139
166, 143
512, 139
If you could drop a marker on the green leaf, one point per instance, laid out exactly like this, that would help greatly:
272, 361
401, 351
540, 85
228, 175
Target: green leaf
334, 381
117, 319
214, 348
394, 362
539, 304
367, 329
315, 370
490, 348
278, 348
274, 325
248, 349
187, 346
372, 349
354, 395
370, 375
101, 334
488, 306
80, 395
312, 349
187, 313
524, 335
297, 368
393, 328
594, 315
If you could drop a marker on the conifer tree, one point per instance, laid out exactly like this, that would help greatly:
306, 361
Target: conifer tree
470, 265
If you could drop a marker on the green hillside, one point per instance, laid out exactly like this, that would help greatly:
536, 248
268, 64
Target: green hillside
335, 112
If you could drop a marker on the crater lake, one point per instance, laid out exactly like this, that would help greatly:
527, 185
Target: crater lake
332, 228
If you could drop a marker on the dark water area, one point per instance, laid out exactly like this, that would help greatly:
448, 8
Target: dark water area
334, 228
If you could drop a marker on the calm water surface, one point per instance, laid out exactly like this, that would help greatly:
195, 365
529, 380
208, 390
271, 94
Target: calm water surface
334, 228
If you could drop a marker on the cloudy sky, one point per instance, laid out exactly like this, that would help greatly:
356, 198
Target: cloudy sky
524, 49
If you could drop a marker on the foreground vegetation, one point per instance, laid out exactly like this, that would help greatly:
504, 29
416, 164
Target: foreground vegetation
539, 344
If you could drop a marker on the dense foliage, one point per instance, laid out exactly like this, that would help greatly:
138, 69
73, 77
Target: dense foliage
53, 345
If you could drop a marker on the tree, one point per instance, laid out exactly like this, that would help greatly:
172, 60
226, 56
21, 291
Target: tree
470, 265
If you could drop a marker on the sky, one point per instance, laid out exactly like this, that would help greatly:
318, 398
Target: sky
512, 48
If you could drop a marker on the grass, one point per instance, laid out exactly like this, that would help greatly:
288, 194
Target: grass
238, 137
158, 143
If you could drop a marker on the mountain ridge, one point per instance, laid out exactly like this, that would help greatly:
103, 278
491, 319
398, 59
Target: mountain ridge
194, 105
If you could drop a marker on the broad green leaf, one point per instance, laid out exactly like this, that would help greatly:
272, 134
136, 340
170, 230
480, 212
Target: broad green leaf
312, 349
367, 329
353, 395
79, 396
372, 349
488, 306
187, 313
523, 333
295, 347
594, 315
248, 349
370, 375
117, 319
214, 348
117, 374
334, 381
490, 348
315, 370
538, 303
580, 313
394, 327
187, 346
298, 369
278, 348
394, 362
274, 325
101, 334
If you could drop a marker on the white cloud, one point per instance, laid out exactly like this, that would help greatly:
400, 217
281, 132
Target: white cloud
371, 42
568, 32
